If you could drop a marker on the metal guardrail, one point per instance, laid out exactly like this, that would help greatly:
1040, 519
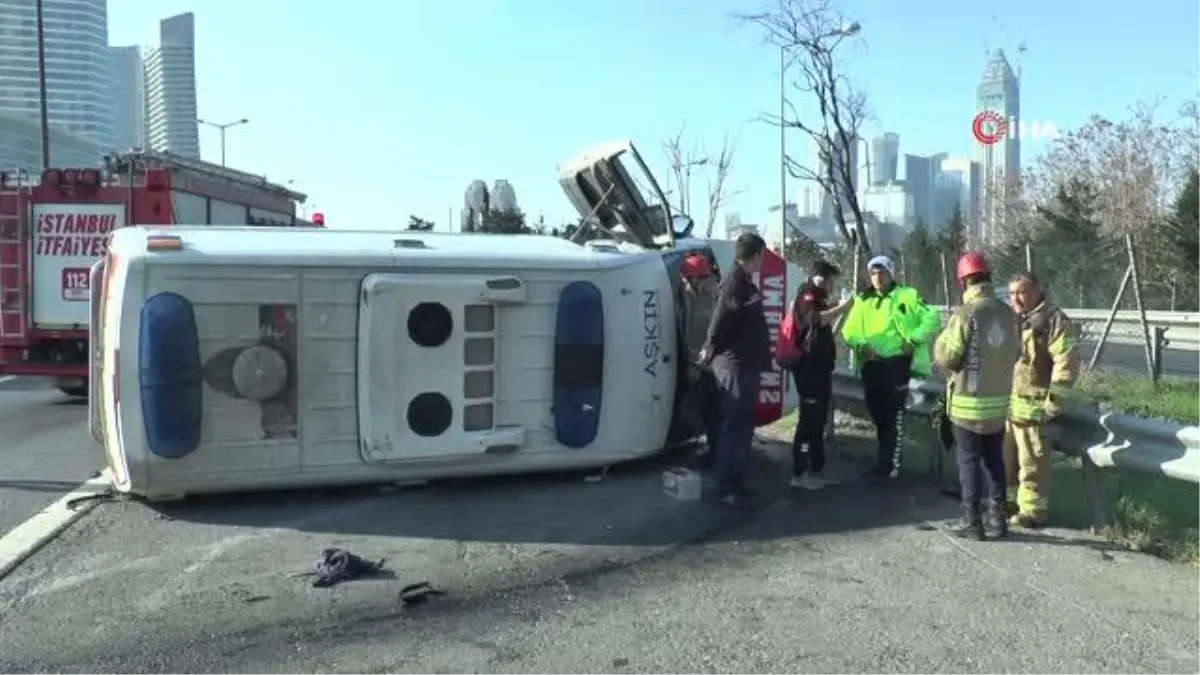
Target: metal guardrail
1169, 330
1098, 439
1158, 318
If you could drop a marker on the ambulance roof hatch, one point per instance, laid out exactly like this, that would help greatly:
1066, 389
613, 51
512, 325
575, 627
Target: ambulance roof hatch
612, 189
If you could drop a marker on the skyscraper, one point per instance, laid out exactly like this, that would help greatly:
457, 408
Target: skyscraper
171, 116
825, 154
920, 177
129, 97
999, 162
77, 65
885, 158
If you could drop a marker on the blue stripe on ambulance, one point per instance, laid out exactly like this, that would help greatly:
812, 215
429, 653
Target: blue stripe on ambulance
578, 364
169, 375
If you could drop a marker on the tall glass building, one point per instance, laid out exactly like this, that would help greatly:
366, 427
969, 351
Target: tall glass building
78, 70
170, 86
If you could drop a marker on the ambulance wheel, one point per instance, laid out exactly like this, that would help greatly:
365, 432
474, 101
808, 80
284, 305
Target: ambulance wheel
76, 390
260, 373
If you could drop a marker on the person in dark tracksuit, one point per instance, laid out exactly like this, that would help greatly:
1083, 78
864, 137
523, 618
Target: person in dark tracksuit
738, 349
812, 372
978, 349
890, 329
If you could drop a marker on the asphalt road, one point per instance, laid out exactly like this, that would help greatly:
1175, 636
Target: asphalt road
45, 448
564, 574
1132, 359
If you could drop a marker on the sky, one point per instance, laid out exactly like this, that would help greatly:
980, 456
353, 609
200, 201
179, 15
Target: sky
381, 110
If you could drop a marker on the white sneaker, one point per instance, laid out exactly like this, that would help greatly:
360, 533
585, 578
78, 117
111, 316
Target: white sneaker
807, 481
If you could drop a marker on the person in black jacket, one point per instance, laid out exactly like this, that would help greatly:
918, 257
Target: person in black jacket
738, 349
812, 372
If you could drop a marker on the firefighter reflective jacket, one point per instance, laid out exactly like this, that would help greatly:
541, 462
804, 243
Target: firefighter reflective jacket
1048, 364
977, 349
886, 321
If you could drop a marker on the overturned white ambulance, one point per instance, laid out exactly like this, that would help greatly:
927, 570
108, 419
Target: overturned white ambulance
239, 358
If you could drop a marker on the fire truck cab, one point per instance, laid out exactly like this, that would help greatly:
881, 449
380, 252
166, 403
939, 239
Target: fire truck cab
55, 227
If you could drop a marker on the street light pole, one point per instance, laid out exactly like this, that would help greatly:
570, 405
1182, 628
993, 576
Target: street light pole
43, 100
222, 128
845, 31
783, 224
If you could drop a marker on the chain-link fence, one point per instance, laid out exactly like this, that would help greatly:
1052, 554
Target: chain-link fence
1077, 274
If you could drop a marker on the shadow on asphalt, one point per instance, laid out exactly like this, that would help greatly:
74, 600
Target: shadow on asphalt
626, 507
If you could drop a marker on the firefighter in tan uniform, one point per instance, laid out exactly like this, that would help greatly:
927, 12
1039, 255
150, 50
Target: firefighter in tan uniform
977, 350
1042, 378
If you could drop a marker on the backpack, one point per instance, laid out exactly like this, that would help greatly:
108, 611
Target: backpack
787, 348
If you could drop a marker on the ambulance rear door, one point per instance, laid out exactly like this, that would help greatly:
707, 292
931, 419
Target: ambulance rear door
67, 241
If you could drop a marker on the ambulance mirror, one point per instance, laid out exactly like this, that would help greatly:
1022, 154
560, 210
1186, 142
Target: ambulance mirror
681, 225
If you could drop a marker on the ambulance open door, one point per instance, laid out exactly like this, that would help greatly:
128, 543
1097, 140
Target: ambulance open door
427, 364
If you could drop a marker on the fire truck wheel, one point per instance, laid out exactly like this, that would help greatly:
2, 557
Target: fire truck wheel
260, 373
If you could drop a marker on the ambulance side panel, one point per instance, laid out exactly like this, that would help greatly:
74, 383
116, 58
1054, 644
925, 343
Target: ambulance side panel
307, 384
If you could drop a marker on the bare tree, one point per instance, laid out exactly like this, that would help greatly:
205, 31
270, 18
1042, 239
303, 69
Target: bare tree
809, 33
685, 161
718, 192
1134, 168
681, 162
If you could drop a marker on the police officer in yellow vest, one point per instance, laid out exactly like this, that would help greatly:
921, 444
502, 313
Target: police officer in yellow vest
889, 328
977, 349
1042, 378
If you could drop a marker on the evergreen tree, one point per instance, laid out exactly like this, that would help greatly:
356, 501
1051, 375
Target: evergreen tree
500, 222
802, 250
922, 269
1182, 233
953, 239
1069, 250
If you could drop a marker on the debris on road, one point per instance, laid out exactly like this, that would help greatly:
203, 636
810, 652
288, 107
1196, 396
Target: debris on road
418, 594
682, 484
335, 565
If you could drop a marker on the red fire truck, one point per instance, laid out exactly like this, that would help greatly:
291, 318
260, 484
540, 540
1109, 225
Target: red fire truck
52, 230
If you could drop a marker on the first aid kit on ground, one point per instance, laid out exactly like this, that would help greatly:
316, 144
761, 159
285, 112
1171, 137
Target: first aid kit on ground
682, 484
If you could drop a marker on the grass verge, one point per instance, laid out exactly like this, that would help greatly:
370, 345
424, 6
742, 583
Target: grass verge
1173, 399
1151, 514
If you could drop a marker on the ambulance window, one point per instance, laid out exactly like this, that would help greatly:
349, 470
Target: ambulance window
430, 324
430, 414
479, 318
479, 351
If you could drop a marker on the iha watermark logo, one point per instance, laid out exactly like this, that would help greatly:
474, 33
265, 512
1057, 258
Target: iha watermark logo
990, 127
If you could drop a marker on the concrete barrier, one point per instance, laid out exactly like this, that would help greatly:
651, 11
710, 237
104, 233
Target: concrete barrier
1100, 440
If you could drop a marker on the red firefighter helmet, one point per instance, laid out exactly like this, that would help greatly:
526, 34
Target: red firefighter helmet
971, 263
695, 266
318, 219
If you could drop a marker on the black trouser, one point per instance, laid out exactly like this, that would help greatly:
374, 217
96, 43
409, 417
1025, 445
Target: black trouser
710, 408
885, 388
738, 391
980, 468
815, 390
